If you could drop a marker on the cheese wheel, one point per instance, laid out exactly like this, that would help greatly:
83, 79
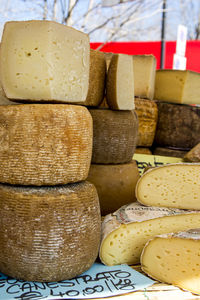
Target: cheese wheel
177, 86
172, 185
114, 136
147, 113
174, 259
164, 151
194, 154
48, 233
120, 83
178, 126
125, 232
115, 184
44, 144
44, 61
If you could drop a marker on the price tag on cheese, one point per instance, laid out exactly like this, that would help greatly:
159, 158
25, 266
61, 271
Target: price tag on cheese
99, 281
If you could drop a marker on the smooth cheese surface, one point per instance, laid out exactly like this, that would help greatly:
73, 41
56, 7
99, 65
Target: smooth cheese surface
44, 144
48, 233
172, 185
44, 61
4, 100
144, 67
177, 86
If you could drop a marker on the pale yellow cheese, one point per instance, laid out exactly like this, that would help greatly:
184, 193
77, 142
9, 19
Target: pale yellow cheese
144, 67
174, 259
120, 83
48, 233
177, 86
44, 61
172, 185
44, 144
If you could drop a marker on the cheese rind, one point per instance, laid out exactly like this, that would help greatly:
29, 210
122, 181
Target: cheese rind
45, 144
44, 61
48, 233
172, 185
164, 151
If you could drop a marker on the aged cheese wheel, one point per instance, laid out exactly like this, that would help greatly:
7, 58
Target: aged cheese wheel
48, 233
177, 86
120, 83
172, 185
194, 154
114, 136
44, 61
125, 232
174, 259
115, 184
164, 151
44, 144
144, 67
178, 126
147, 113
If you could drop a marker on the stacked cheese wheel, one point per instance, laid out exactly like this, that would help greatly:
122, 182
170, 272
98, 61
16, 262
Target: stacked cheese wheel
49, 214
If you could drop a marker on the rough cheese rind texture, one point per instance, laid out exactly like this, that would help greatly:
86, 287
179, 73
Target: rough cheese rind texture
44, 144
172, 185
115, 184
194, 154
44, 61
125, 232
178, 126
144, 67
120, 83
177, 86
163, 151
48, 233
174, 259
147, 113
114, 136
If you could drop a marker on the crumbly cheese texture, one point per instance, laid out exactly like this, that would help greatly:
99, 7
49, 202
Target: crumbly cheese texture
177, 86
115, 184
147, 113
174, 260
172, 185
44, 61
144, 67
44, 144
114, 136
125, 232
48, 233
120, 83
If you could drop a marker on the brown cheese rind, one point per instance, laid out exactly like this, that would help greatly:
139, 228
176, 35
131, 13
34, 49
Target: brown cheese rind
48, 233
164, 151
44, 144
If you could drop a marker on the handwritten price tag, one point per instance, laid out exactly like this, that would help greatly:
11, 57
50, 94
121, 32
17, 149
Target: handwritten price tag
98, 281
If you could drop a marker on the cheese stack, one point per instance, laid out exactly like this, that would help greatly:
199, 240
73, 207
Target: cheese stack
49, 214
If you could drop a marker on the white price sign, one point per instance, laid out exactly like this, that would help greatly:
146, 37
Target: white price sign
181, 40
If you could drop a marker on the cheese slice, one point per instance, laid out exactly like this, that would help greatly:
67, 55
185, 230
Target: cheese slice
174, 259
48, 233
120, 83
144, 67
125, 232
44, 61
172, 185
44, 144
177, 86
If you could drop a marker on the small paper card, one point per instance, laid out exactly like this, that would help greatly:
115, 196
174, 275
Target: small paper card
99, 281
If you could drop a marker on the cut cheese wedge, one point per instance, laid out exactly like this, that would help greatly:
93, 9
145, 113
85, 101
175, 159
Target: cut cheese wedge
120, 83
174, 259
125, 232
44, 61
172, 185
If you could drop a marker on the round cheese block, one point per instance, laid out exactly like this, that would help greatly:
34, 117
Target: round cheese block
48, 233
114, 136
44, 144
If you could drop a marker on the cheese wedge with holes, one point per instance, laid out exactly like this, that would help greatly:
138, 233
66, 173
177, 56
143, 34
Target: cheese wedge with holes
174, 259
125, 232
44, 61
172, 185
44, 144
177, 86
120, 83
48, 233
